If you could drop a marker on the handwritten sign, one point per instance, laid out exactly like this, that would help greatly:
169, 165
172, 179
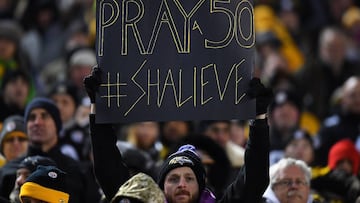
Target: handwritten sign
174, 59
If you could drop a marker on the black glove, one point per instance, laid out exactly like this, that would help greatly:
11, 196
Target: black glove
92, 83
262, 95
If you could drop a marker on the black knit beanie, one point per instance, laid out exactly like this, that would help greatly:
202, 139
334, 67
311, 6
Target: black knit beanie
285, 96
49, 106
12, 125
13, 75
32, 162
67, 88
46, 183
185, 156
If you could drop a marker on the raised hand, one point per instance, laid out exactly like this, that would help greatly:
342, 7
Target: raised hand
262, 94
92, 83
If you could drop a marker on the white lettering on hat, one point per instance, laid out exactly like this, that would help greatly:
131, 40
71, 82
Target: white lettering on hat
52, 174
61, 89
180, 160
10, 126
280, 98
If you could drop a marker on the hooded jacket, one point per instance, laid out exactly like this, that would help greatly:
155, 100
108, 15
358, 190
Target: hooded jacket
140, 187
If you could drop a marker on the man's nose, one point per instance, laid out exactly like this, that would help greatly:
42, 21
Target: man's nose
182, 182
38, 120
20, 180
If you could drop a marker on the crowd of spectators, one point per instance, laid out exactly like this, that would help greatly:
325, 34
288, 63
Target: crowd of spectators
307, 52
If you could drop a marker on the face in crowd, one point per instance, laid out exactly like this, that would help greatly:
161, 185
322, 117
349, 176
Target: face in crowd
285, 116
350, 100
14, 146
41, 128
16, 91
145, 134
291, 186
300, 147
66, 105
219, 132
181, 186
174, 131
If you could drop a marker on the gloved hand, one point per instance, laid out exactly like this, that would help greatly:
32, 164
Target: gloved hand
92, 83
263, 95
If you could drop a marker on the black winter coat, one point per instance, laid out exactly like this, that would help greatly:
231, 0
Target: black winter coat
248, 187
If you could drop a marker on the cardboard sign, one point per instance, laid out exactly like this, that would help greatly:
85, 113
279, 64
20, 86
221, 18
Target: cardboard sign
174, 59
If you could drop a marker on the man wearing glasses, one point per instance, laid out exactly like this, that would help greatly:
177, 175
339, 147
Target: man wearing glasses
13, 138
289, 182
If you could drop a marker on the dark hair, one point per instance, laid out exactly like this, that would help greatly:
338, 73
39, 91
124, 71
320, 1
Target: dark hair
68, 88
12, 75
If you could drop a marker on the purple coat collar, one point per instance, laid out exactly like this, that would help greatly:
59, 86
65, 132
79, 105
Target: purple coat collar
207, 197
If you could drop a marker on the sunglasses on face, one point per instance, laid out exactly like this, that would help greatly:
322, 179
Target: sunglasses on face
15, 138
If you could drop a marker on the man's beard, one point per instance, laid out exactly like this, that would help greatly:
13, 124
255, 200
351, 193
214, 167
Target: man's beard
193, 199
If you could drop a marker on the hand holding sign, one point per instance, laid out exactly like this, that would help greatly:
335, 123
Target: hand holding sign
263, 95
169, 59
92, 83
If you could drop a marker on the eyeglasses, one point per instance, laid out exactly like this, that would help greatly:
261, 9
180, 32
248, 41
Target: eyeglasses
13, 138
289, 183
